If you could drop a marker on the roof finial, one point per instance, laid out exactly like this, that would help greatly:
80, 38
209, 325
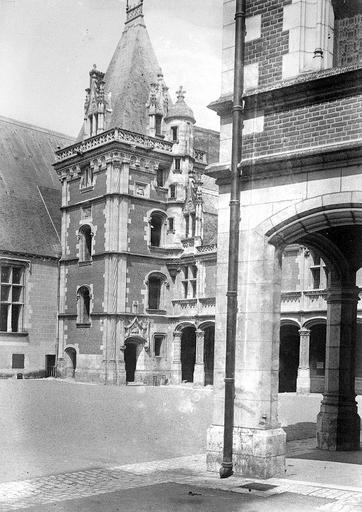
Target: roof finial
135, 11
180, 94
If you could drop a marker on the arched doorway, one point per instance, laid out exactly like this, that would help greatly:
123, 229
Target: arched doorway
317, 357
335, 233
209, 354
188, 353
134, 347
70, 360
288, 358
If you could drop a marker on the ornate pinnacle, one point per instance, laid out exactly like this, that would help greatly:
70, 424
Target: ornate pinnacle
180, 94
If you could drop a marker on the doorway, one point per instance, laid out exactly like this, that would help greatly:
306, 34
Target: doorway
70, 362
130, 360
288, 358
209, 355
188, 353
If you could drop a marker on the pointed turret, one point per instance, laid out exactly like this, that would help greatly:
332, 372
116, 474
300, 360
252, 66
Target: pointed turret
127, 82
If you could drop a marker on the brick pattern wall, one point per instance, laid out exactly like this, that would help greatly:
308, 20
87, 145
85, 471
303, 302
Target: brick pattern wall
311, 125
273, 44
348, 41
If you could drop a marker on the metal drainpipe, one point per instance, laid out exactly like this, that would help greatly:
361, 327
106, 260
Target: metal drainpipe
226, 469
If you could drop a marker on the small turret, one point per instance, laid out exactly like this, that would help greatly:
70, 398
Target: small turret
179, 125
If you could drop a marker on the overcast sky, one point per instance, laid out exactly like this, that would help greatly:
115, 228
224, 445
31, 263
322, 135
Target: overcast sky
47, 48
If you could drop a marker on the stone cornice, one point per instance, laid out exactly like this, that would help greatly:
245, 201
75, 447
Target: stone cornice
300, 160
308, 87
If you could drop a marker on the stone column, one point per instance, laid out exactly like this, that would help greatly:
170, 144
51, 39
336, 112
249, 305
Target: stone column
176, 371
338, 424
259, 441
303, 378
199, 371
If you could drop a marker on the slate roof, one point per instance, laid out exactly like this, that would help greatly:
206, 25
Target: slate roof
29, 189
133, 67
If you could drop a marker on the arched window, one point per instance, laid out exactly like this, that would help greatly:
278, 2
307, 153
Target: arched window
156, 285
85, 243
157, 222
83, 305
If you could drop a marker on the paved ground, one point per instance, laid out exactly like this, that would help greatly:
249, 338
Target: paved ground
75, 447
53, 426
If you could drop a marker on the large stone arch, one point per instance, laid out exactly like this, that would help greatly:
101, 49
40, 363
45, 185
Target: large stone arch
319, 223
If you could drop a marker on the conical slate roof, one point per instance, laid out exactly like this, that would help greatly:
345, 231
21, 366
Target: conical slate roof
133, 68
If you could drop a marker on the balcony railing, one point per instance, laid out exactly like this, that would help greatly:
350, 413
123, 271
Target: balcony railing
305, 300
118, 135
201, 306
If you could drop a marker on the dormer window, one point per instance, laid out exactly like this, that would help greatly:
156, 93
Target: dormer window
158, 125
174, 133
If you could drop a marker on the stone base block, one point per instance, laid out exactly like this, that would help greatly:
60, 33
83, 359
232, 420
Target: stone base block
199, 374
256, 453
303, 381
337, 431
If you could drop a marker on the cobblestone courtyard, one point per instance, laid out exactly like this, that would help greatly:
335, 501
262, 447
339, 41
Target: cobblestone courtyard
74, 447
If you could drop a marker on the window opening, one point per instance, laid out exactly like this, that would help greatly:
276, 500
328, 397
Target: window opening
156, 230
158, 124
11, 298
154, 292
173, 191
190, 282
159, 344
171, 224
85, 243
174, 132
160, 178
86, 180
83, 305
177, 164
18, 361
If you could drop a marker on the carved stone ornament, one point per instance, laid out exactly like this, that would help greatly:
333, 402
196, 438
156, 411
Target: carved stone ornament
136, 328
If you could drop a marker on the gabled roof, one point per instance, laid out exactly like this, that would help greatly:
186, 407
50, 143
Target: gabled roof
29, 189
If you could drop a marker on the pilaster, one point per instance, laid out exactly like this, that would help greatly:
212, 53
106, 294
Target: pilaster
176, 358
199, 371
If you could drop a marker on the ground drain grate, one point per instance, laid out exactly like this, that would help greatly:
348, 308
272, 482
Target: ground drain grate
257, 486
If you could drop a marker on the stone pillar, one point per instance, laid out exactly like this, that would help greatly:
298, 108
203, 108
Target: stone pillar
303, 378
338, 424
176, 371
199, 371
259, 441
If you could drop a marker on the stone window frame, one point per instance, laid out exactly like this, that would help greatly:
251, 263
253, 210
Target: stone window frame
163, 286
86, 182
84, 312
7, 289
162, 352
189, 281
162, 216
85, 252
